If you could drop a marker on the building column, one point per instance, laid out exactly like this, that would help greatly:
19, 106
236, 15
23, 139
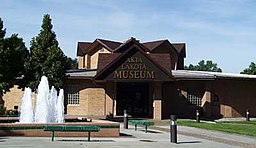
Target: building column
110, 96
206, 103
157, 102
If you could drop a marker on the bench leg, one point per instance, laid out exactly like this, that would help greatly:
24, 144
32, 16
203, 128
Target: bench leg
135, 127
146, 129
89, 136
52, 135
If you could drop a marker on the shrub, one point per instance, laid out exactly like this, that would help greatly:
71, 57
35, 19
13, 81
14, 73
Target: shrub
2, 110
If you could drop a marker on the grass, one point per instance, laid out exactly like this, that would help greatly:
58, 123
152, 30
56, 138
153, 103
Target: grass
237, 127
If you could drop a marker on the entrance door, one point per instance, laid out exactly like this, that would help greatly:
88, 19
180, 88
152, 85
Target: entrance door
134, 97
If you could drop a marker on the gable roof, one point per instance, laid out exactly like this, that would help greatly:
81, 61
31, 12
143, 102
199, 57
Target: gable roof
180, 47
81, 48
106, 58
113, 46
85, 47
130, 42
108, 68
153, 44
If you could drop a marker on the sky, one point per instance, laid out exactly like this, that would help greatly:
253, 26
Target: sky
223, 31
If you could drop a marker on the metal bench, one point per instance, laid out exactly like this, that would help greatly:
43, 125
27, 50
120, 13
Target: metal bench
62, 128
146, 124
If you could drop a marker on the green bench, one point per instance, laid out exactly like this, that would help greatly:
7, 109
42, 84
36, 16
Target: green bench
146, 124
62, 128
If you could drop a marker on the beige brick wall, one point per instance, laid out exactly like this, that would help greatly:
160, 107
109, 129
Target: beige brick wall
91, 99
90, 61
80, 62
206, 103
109, 98
94, 57
96, 101
157, 103
13, 98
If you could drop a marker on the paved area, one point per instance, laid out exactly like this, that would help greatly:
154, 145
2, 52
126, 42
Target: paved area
157, 137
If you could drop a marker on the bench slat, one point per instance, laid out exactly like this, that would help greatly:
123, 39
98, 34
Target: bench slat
63, 128
72, 128
141, 122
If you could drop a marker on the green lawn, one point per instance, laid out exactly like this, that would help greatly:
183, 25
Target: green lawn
238, 127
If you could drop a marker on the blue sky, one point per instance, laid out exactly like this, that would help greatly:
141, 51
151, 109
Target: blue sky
220, 30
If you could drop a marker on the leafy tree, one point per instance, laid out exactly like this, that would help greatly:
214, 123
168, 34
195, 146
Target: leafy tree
72, 63
13, 53
251, 70
46, 58
2, 31
204, 66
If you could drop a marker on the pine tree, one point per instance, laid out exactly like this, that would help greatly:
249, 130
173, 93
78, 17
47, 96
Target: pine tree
46, 58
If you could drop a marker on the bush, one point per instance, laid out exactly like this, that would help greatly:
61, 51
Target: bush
2, 110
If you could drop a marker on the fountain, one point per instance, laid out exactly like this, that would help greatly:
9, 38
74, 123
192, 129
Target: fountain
60, 107
52, 105
41, 109
49, 110
26, 115
49, 107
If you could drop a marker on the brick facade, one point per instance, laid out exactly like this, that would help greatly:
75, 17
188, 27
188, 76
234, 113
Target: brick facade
219, 97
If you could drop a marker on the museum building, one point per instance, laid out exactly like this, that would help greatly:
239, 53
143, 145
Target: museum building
148, 80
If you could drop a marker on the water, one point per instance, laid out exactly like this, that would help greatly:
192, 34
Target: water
49, 107
52, 105
60, 107
41, 109
26, 113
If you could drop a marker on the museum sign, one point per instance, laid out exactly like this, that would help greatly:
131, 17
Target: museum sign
134, 68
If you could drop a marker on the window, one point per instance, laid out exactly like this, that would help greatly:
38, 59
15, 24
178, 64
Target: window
73, 94
194, 96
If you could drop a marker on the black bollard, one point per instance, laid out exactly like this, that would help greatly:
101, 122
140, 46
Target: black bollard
197, 116
247, 115
125, 120
173, 129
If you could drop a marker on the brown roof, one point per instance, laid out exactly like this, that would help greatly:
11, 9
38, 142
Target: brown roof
84, 47
106, 58
164, 60
152, 45
111, 44
130, 42
180, 47
81, 48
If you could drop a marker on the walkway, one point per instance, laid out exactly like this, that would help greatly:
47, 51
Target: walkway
157, 137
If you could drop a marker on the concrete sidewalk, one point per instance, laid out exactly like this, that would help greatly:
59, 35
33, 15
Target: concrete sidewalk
187, 137
215, 136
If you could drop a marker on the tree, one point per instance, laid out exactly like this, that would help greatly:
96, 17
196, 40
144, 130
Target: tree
13, 54
204, 66
72, 63
46, 58
2, 31
251, 70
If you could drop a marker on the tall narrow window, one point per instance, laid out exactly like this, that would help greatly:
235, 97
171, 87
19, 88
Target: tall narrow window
194, 96
73, 94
